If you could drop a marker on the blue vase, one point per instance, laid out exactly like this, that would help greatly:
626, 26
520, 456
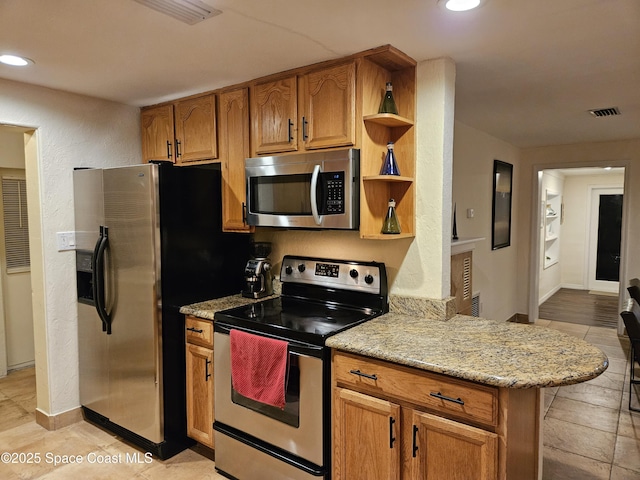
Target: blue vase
390, 166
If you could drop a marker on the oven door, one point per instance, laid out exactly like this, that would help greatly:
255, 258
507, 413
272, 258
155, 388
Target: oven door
315, 190
299, 428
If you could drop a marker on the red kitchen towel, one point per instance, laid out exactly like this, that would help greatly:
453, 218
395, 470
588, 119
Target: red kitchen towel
259, 367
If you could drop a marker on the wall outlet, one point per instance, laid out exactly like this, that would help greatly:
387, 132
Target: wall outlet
470, 213
66, 241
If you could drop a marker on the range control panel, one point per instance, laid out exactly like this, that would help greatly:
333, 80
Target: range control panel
370, 277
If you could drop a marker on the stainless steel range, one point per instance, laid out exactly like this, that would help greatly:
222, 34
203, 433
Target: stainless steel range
320, 297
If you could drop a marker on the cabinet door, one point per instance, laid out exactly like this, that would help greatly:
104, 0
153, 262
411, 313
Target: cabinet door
157, 133
196, 129
274, 111
329, 116
200, 394
366, 437
234, 148
446, 450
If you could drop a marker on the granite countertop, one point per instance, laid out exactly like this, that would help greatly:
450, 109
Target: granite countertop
494, 353
209, 308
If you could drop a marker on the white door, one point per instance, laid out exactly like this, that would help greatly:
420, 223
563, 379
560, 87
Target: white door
605, 226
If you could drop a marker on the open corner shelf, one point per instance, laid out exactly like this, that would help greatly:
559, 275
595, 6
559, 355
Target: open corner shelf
389, 120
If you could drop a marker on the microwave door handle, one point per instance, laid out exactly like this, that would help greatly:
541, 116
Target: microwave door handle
313, 193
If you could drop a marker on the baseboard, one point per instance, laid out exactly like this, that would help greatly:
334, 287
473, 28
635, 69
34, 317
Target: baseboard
519, 318
55, 422
548, 295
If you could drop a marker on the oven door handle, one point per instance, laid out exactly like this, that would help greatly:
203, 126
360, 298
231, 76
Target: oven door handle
314, 195
295, 348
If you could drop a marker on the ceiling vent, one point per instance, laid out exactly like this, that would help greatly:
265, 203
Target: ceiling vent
187, 11
605, 112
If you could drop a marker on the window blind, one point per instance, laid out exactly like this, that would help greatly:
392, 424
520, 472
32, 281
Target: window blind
16, 224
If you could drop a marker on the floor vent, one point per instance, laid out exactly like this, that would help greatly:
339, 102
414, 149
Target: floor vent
605, 112
475, 305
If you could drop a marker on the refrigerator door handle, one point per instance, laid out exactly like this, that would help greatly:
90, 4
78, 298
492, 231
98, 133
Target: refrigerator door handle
98, 282
94, 278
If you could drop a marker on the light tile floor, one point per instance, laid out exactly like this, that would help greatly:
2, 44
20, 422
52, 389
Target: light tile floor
589, 433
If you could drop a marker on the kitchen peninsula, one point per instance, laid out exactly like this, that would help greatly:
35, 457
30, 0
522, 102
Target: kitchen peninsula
469, 388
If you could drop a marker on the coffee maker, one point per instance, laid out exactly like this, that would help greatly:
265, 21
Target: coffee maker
257, 272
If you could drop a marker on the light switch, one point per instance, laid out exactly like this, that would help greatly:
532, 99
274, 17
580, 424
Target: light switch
66, 241
470, 213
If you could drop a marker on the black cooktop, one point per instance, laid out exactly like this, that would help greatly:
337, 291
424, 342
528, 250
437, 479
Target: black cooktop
295, 319
320, 297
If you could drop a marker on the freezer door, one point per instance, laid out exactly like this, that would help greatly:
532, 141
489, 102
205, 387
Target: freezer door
132, 282
92, 341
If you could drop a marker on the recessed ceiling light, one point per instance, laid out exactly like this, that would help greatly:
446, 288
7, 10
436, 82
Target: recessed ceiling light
460, 5
15, 60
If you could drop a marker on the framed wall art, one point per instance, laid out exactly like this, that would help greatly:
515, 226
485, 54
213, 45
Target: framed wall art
501, 209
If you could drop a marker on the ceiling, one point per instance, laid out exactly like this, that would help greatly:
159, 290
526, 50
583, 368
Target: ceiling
527, 71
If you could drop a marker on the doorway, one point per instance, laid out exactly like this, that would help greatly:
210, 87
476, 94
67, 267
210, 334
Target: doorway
604, 239
574, 184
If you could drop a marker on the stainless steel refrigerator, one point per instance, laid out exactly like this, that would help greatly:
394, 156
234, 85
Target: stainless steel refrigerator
148, 240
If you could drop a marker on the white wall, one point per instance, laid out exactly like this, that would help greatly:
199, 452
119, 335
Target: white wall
494, 271
575, 239
70, 131
550, 277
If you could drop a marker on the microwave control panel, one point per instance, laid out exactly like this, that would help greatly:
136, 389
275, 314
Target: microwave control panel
331, 193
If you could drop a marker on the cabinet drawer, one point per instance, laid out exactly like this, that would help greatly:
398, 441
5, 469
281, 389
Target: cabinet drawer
199, 331
445, 395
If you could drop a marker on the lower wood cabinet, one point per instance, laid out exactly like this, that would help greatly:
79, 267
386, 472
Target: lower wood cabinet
200, 380
445, 449
371, 435
365, 437
396, 422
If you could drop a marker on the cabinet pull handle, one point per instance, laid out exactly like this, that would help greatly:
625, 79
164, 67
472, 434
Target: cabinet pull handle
305, 133
244, 213
206, 370
168, 149
290, 134
365, 375
414, 448
178, 153
392, 439
194, 330
459, 401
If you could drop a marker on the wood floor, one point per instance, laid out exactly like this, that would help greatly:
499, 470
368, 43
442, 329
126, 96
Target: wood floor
580, 306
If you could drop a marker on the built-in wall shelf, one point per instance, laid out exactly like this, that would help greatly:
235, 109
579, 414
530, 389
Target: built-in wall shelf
552, 221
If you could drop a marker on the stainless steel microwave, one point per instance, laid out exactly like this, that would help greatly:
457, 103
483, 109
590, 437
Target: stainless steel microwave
310, 190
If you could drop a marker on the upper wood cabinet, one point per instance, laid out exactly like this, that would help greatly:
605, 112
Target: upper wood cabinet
274, 111
329, 107
183, 132
157, 133
323, 106
304, 112
234, 148
195, 126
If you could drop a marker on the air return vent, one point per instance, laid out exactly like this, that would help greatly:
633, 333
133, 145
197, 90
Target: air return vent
605, 112
187, 11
